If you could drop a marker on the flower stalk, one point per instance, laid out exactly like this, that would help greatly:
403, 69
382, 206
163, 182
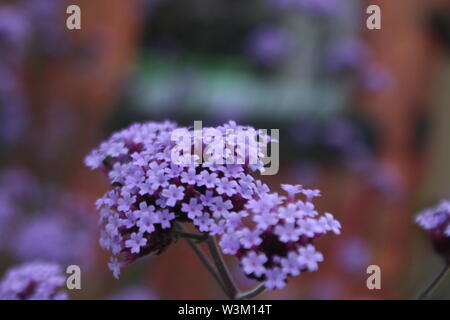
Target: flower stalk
427, 291
219, 270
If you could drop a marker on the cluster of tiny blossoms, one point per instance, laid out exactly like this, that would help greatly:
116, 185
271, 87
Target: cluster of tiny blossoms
152, 193
276, 240
33, 281
436, 220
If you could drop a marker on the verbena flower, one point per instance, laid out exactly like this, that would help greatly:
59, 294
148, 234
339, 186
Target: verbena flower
33, 281
272, 235
436, 221
282, 231
150, 192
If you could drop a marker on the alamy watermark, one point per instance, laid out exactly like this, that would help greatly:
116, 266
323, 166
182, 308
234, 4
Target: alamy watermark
374, 280
73, 21
73, 281
373, 21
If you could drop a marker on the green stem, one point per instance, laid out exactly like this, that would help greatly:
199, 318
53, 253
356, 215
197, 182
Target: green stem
193, 236
206, 263
211, 269
251, 293
434, 283
224, 273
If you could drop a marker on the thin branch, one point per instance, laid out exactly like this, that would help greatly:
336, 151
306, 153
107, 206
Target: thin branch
231, 289
434, 283
205, 261
252, 293
193, 236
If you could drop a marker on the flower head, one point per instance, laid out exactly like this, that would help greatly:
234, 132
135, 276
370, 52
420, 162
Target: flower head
280, 242
151, 192
272, 235
33, 281
436, 220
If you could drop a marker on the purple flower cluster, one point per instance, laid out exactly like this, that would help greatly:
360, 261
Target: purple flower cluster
33, 281
43, 229
436, 220
151, 194
56, 237
25, 26
17, 189
274, 241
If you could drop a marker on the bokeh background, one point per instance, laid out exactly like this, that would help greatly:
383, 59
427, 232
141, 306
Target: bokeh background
363, 115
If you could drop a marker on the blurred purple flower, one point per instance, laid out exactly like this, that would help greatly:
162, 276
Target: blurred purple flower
327, 288
54, 237
269, 44
48, 24
18, 184
17, 190
13, 121
376, 79
7, 211
436, 221
14, 33
353, 254
33, 281
346, 55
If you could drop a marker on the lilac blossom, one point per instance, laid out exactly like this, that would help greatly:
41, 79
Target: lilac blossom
309, 257
165, 216
269, 233
149, 191
275, 279
436, 221
33, 281
284, 231
253, 263
173, 194
208, 179
135, 242
114, 266
193, 208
